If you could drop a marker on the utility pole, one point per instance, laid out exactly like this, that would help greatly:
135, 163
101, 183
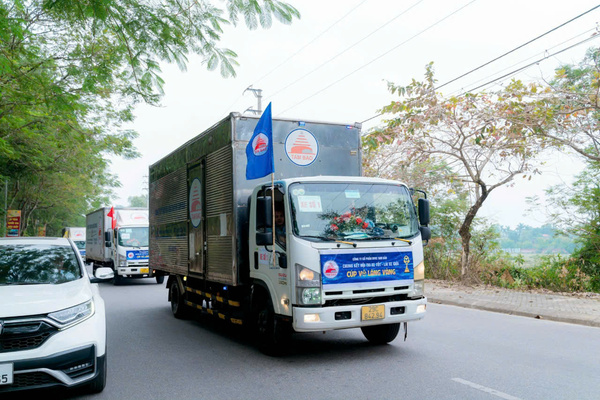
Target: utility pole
258, 94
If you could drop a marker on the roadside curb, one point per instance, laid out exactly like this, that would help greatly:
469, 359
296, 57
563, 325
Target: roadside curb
573, 308
587, 320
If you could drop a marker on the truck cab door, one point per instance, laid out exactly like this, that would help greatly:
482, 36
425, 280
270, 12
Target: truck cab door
270, 259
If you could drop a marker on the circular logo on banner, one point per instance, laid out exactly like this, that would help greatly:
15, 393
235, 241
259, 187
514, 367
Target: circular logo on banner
130, 255
195, 202
301, 147
260, 144
330, 269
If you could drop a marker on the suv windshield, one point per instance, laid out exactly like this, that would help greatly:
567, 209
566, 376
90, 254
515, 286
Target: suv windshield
133, 237
352, 211
23, 264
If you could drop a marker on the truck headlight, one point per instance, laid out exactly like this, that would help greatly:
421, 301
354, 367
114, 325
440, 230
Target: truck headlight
419, 288
308, 285
123, 262
306, 277
309, 296
73, 315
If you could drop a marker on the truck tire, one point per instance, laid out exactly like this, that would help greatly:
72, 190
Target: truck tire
178, 307
381, 334
117, 280
160, 279
272, 336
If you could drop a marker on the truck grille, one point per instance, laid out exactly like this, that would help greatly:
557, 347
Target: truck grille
24, 334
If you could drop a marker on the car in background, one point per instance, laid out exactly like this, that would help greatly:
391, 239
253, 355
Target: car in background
52, 318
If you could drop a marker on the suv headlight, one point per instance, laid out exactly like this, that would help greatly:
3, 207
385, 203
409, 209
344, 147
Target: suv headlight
74, 315
308, 286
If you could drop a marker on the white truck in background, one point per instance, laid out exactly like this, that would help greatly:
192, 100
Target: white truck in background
77, 235
119, 241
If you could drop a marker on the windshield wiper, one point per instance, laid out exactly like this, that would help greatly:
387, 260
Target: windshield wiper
26, 283
328, 239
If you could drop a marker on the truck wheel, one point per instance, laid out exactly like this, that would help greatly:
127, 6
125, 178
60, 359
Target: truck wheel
178, 307
272, 336
160, 279
117, 280
381, 334
99, 382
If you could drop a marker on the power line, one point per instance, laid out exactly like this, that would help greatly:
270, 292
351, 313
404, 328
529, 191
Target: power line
514, 72
297, 52
347, 48
382, 55
533, 63
528, 58
311, 42
517, 48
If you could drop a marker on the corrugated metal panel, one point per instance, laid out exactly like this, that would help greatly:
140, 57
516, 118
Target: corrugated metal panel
219, 182
168, 222
219, 201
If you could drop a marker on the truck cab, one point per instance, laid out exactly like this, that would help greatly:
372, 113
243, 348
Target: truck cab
351, 255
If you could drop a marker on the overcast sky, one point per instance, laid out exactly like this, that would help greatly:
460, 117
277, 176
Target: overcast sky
333, 65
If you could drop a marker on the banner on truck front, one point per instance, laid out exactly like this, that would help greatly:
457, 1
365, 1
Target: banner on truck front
366, 266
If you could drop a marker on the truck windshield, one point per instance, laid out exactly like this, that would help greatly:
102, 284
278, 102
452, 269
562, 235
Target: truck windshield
352, 211
35, 264
80, 244
133, 237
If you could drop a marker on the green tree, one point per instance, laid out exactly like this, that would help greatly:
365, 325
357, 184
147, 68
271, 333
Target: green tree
138, 201
484, 138
71, 73
574, 104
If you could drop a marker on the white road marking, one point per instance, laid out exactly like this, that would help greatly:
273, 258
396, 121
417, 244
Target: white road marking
486, 389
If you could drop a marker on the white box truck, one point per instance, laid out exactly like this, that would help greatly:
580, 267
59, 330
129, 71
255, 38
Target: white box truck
77, 235
118, 238
348, 254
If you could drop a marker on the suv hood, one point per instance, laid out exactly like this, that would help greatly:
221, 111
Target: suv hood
23, 300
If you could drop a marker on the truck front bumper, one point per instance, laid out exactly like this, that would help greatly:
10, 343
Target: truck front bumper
350, 316
135, 271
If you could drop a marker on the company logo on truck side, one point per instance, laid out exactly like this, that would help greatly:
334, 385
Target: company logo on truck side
195, 202
301, 147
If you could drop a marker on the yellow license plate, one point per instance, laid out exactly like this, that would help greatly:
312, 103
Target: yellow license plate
369, 313
144, 270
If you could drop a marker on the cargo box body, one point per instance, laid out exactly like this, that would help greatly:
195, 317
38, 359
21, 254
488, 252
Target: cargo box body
199, 193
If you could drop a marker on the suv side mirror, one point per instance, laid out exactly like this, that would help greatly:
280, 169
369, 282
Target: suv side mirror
424, 212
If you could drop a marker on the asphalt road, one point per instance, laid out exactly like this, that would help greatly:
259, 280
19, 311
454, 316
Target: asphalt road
455, 353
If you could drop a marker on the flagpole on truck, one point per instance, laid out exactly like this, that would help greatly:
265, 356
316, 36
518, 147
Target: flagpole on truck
260, 159
273, 212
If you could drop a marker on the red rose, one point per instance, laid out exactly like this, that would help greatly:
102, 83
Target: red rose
365, 225
359, 220
334, 227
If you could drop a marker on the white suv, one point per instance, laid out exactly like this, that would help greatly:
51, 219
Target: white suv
52, 319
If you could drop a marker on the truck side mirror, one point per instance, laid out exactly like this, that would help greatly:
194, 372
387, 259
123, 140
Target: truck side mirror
264, 213
108, 239
282, 260
425, 234
264, 239
424, 212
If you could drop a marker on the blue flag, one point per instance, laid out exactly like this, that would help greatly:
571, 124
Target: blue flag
259, 151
